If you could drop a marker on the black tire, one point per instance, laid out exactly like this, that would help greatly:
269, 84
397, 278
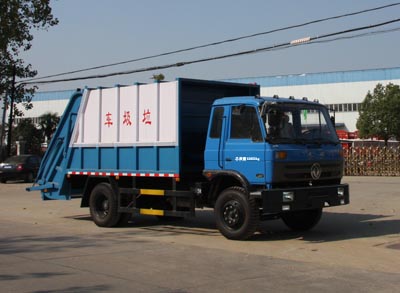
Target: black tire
3, 180
103, 206
236, 215
302, 220
124, 219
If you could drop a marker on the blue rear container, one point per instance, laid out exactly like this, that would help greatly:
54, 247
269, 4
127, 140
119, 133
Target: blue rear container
91, 141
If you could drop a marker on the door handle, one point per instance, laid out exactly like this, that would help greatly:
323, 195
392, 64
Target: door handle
228, 159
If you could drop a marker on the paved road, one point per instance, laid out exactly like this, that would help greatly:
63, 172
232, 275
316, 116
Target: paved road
53, 246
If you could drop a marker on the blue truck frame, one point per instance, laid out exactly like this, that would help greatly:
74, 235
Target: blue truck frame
246, 175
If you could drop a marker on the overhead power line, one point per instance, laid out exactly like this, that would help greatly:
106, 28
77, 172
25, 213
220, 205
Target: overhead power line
303, 41
219, 42
338, 38
356, 36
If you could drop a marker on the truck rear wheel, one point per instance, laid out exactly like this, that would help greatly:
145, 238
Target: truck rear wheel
236, 215
302, 220
104, 206
124, 219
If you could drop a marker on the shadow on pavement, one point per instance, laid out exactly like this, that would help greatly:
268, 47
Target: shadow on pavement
42, 275
332, 227
78, 289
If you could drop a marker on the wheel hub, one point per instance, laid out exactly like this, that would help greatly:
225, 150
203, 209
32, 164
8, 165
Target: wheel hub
232, 214
103, 206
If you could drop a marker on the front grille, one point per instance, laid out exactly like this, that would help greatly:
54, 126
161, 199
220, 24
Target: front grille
301, 172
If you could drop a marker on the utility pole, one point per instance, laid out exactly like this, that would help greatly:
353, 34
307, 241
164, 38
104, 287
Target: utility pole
10, 119
3, 125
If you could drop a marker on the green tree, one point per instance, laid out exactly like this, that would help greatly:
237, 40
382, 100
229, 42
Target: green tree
48, 123
379, 113
17, 20
26, 131
158, 77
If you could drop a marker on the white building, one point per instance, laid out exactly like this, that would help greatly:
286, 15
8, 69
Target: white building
43, 102
343, 91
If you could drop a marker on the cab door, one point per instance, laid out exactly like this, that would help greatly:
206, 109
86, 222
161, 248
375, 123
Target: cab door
244, 147
213, 155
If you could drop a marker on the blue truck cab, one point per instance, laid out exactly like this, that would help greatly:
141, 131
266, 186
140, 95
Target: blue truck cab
272, 157
167, 148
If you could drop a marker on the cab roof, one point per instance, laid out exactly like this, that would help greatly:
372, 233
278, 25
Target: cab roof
257, 101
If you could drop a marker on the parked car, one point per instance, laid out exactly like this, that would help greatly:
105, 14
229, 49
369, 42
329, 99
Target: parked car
23, 167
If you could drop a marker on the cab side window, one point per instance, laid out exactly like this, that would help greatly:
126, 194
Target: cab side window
245, 123
216, 123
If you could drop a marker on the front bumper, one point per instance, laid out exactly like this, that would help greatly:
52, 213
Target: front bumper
294, 199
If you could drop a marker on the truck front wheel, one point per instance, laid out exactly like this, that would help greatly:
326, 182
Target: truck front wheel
236, 215
103, 206
302, 220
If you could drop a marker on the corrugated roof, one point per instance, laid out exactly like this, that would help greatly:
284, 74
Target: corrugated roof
53, 95
324, 77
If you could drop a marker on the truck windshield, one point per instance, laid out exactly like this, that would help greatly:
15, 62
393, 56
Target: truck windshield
299, 123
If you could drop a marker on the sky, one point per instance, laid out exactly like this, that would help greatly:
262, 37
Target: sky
98, 32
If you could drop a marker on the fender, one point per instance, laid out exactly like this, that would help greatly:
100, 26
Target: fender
222, 179
91, 182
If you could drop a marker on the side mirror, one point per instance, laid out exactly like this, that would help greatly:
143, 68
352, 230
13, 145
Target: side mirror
333, 121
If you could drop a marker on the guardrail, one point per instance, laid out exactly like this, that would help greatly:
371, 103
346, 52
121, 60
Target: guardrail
372, 161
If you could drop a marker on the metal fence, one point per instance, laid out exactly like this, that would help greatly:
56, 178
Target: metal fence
372, 161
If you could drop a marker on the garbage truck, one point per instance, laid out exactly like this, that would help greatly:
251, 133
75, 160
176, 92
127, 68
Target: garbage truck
169, 148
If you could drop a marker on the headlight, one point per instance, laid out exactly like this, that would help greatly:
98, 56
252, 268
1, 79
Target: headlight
288, 196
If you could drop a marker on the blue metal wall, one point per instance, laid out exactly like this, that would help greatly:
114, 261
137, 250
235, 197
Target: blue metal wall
324, 77
53, 95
